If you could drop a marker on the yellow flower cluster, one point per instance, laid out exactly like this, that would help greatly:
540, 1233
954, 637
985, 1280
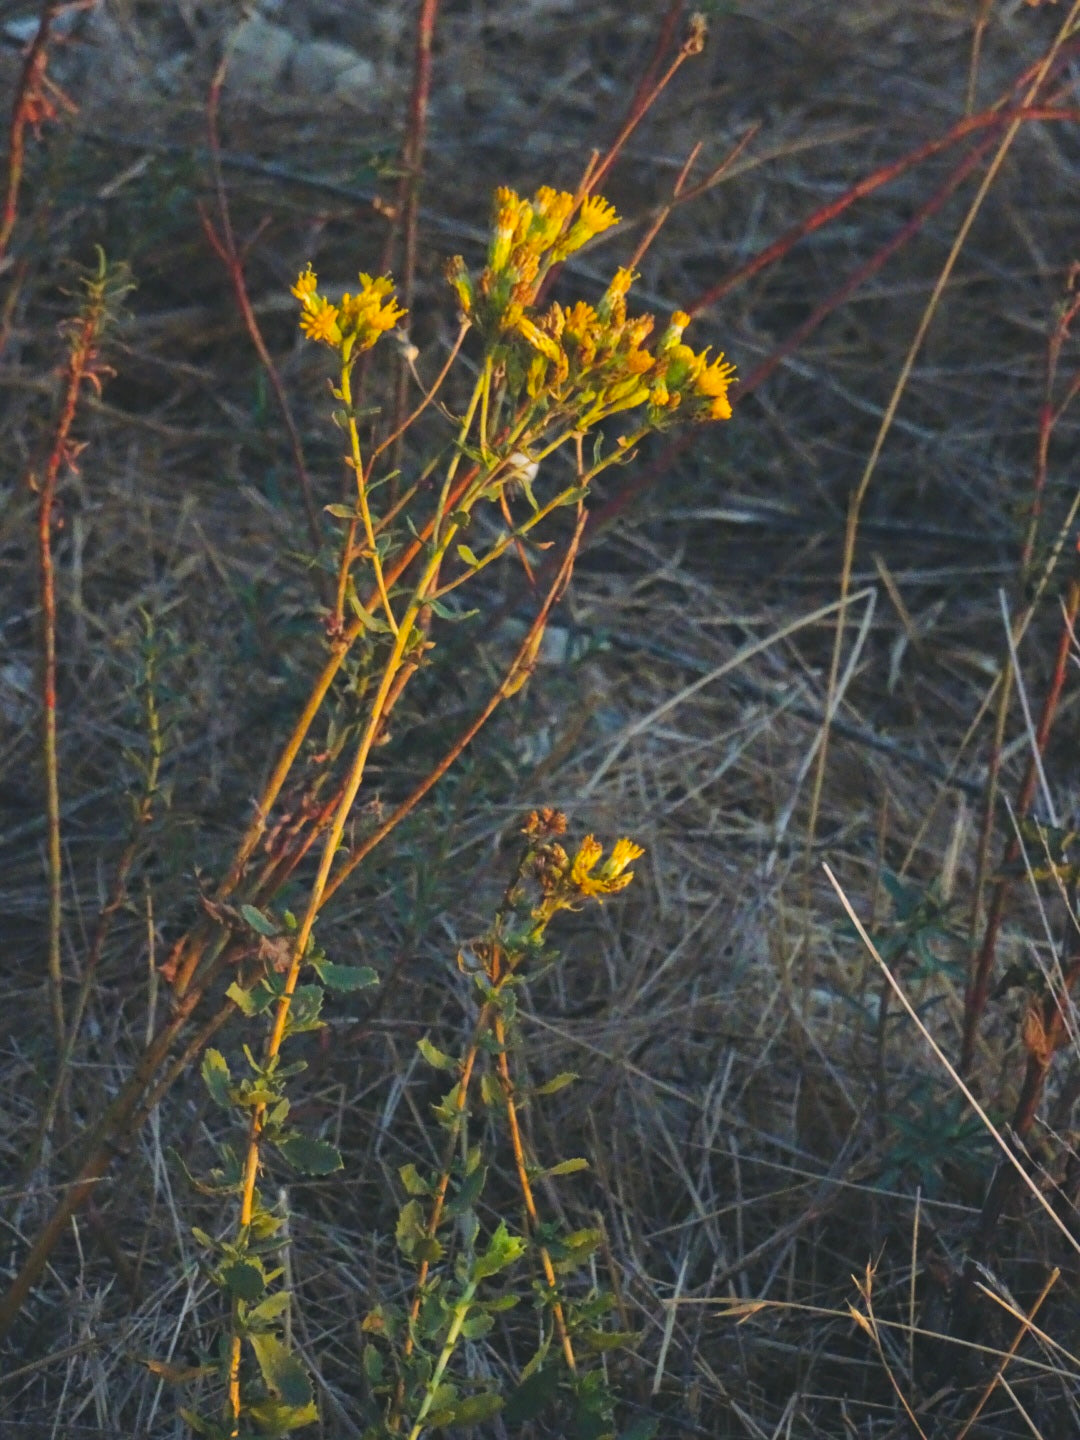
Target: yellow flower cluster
612, 876
594, 360
584, 360
528, 237
353, 325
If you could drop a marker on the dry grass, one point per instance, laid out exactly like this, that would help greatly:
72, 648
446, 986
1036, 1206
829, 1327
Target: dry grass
737, 1100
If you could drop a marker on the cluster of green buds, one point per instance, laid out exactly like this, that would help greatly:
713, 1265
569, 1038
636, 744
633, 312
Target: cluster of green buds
584, 360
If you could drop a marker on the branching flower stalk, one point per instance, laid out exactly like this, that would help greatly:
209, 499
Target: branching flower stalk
547, 376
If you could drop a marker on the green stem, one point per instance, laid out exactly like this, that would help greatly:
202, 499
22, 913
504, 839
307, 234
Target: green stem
461, 1312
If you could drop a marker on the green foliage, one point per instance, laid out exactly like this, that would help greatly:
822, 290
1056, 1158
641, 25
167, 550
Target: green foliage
934, 1133
921, 925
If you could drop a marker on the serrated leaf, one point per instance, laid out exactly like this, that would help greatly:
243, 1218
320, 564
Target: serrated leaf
310, 1156
410, 1227
216, 1078
568, 1167
434, 1056
245, 1279
468, 557
503, 1249
246, 1001
346, 978
259, 922
283, 1373
414, 1182
557, 1082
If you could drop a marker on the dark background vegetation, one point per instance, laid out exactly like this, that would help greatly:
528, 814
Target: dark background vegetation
757, 1134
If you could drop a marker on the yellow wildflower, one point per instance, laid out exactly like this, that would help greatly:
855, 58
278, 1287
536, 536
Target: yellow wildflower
551, 210
612, 875
712, 384
595, 216
307, 283
673, 333
623, 853
320, 321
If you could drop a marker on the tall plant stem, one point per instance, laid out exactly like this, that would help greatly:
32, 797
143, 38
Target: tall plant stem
330, 847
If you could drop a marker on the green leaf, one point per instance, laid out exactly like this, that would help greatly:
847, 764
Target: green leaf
469, 1191
445, 613
414, 1182
532, 1396
374, 1368
346, 978
250, 1002
244, 1279
341, 512
469, 558
216, 1078
283, 1373
370, 623
410, 1227
269, 1310
434, 1056
477, 1326
503, 1249
259, 922
601, 1340
568, 1167
275, 1418
310, 1156
557, 1082
475, 1409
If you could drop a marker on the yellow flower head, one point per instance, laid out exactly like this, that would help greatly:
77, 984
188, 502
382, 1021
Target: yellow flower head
595, 216
551, 210
354, 325
673, 333
612, 876
307, 283
319, 321
510, 224
612, 307
712, 385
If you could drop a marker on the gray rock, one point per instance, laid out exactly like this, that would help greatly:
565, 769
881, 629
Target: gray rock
260, 53
318, 65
